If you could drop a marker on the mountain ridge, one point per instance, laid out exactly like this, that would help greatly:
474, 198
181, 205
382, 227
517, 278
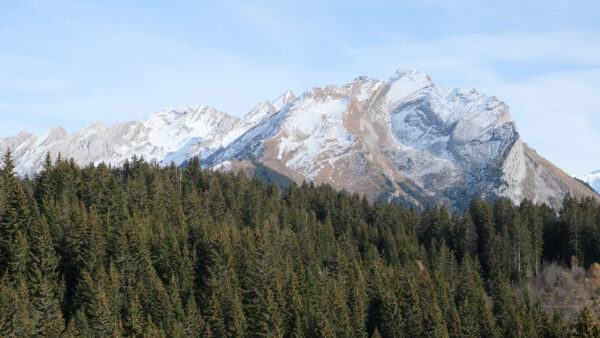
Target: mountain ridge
404, 138
170, 134
373, 136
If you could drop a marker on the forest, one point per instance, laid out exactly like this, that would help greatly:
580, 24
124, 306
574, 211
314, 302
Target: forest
141, 250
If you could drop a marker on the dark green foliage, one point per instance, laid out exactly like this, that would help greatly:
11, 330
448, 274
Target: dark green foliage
141, 250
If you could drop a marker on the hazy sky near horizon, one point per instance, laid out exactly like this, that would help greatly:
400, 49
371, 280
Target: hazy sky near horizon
71, 63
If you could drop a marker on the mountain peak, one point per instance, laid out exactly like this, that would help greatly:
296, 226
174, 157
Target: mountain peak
409, 73
52, 135
24, 133
283, 100
95, 126
403, 138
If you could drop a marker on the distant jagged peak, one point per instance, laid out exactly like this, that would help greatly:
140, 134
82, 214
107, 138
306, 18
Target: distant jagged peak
94, 128
265, 109
189, 113
57, 131
24, 134
404, 85
96, 125
410, 74
283, 100
52, 135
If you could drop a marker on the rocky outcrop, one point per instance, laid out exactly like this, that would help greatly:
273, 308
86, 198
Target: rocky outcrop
403, 139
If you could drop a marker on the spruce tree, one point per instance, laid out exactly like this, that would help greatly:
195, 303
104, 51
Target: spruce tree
585, 325
14, 221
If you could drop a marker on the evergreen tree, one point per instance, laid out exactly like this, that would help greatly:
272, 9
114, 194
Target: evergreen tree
15, 309
47, 316
43, 262
14, 220
144, 250
8, 167
585, 325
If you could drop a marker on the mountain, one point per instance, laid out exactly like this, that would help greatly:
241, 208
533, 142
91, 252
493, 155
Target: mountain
593, 179
170, 134
404, 139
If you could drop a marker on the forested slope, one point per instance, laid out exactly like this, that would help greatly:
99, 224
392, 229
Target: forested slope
143, 250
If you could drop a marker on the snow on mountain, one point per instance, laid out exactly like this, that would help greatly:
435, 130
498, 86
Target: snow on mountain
593, 179
403, 138
283, 100
170, 134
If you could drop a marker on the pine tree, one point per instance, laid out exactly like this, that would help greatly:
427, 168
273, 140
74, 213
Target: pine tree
225, 310
17, 264
8, 167
534, 222
194, 324
506, 311
134, 318
412, 312
390, 317
445, 277
357, 300
100, 318
81, 325
482, 216
15, 309
14, 220
475, 316
585, 325
43, 262
44, 187
465, 237
432, 321
47, 314
294, 307
71, 331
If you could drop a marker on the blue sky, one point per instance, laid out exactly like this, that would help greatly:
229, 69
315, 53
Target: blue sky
70, 63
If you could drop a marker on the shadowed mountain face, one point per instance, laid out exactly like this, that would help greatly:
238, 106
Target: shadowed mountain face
404, 139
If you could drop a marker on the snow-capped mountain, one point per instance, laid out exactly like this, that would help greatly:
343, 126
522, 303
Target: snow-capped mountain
593, 179
403, 139
170, 134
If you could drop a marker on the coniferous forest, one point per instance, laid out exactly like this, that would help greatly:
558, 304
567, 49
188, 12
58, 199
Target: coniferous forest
148, 251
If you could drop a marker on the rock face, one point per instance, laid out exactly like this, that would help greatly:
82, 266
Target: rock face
404, 139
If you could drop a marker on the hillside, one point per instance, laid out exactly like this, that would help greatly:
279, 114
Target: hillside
143, 250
